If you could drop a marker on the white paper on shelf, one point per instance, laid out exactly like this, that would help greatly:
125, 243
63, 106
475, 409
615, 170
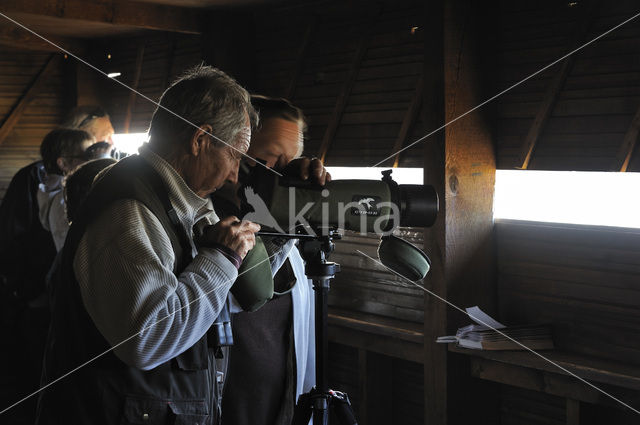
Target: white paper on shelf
483, 322
482, 318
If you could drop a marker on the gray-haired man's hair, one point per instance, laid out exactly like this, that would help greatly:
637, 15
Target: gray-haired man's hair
202, 95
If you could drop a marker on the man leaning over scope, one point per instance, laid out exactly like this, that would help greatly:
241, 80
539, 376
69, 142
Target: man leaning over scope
147, 267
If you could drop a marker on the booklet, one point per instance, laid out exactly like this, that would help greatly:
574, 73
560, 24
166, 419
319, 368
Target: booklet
489, 334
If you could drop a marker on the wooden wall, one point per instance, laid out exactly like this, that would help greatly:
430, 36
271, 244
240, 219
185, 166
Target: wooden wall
578, 115
156, 61
583, 279
591, 99
354, 70
68, 83
44, 109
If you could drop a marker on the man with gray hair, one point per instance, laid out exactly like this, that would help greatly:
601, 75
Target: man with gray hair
147, 266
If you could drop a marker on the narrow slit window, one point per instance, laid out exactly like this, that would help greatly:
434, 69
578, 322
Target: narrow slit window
129, 142
574, 197
400, 175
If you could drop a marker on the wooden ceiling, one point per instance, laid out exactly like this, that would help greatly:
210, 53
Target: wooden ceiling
85, 19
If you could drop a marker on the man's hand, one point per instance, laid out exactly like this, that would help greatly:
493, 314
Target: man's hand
307, 169
232, 233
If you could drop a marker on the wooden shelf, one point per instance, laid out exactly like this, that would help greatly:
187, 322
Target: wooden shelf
589, 368
392, 337
610, 384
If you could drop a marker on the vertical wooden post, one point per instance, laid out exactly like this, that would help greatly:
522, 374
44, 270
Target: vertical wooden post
460, 164
70, 82
469, 178
435, 325
573, 412
134, 85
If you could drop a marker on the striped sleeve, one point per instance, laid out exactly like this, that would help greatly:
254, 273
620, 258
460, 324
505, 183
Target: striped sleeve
124, 267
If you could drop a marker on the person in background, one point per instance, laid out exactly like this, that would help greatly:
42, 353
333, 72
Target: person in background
92, 119
62, 150
27, 251
76, 187
272, 360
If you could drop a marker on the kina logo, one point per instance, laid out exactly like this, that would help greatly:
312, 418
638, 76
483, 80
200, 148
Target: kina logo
366, 202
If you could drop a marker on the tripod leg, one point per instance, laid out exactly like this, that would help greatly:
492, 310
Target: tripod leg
302, 412
341, 407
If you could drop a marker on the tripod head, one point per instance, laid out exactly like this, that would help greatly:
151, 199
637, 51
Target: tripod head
315, 249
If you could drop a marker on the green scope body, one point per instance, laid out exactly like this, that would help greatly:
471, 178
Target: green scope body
367, 206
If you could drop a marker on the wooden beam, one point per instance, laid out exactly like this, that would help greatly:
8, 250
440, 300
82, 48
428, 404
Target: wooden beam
30, 93
341, 101
409, 119
300, 58
469, 181
435, 311
553, 90
113, 12
628, 144
134, 85
16, 37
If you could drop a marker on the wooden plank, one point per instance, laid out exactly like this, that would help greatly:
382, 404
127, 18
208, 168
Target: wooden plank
409, 120
343, 97
556, 84
547, 382
384, 328
371, 342
134, 85
30, 93
629, 141
113, 12
587, 367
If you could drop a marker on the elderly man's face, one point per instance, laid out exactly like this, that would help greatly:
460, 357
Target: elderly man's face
277, 141
217, 165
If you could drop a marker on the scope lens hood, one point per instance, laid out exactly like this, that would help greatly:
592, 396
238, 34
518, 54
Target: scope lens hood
403, 258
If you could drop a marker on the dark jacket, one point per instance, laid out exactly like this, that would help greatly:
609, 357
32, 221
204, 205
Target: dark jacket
106, 390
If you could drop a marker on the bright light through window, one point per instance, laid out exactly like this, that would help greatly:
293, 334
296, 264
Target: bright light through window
129, 142
400, 175
595, 198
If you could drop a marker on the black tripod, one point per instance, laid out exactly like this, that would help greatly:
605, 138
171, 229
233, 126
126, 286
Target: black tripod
320, 401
